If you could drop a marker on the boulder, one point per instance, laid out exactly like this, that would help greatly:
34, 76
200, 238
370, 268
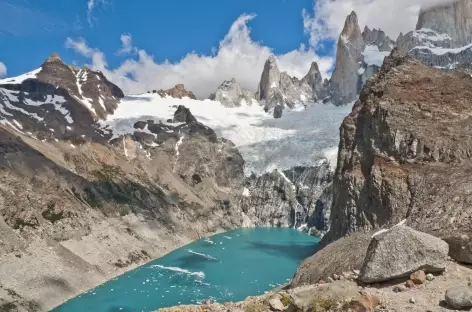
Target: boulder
460, 248
459, 297
307, 296
400, 251
364, 303
276, 305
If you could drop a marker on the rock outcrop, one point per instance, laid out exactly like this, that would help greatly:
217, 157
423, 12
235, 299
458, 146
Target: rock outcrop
177, 92
403, 152
400, 251
231, 94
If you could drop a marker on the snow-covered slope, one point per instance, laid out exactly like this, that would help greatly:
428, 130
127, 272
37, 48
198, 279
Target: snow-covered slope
304, 137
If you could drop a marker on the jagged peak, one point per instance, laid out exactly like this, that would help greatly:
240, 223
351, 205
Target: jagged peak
271, 59
55, 57
351, 27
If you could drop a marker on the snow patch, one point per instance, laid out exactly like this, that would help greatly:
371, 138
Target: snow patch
21, 78
361, 71
246, 192
372, 55
442, 51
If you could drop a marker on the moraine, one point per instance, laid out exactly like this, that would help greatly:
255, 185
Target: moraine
225, 267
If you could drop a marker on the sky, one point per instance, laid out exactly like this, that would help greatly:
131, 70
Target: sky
144, 45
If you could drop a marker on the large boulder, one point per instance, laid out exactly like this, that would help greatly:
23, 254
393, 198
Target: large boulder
460, 248
400, 251
459, 297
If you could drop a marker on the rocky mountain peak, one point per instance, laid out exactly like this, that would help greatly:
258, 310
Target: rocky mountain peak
453, 19
231, 94
55, 57
178, 92
344, 81
378, 38
315, 81
351, 30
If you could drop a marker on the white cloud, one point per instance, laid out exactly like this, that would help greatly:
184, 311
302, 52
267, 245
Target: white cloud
91, 5
237, 56
127, 44
392, 16
3, 70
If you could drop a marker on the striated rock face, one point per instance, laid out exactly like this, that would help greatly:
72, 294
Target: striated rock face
315, 81
404, 152
293, 198
453, 19
231, 94
176, 92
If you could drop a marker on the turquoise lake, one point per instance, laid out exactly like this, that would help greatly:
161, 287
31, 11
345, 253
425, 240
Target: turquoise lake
225, 267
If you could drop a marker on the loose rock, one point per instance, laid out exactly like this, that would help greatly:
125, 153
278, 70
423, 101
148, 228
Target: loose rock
430, 277
419, 277
459, 297
276, 305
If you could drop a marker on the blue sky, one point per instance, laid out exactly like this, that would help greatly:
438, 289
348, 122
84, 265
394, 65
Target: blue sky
199, 43
33, 29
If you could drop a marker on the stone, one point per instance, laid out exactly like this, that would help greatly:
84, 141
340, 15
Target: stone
413, 250
303, 296
418, 277
430, 277
365, 303
459, 297
409, 284
399, 288
276, 305
412, 300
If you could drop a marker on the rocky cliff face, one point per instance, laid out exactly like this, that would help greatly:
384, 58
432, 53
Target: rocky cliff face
404, 152
231, 94
442, 38
292, 198
453, 19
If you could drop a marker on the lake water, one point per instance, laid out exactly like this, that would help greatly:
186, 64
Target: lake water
225, 267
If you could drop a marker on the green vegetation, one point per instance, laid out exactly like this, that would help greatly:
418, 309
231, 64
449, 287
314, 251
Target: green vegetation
108, 172
320, 304
285, 299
